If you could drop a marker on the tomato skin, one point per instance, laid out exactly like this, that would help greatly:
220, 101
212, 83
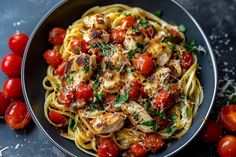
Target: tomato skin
17, 115
52, 57
11, 65
161, 98
4, 102
144, 63
186, 60
117, 36
84, 92
176, 38
228, 117
227, 146
211, 132
148, 31
110, 99
61, 69
130, 21
135, 92
80, 44
57, 118
56, 36
17, 43
65, 96
153, 142
138, 150
107, 148
12, 88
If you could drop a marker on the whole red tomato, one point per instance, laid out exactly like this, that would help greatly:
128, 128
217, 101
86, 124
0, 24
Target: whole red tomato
11, 65
17, 115
12, 88
211, 132
228, 117
57, 118
107, 148
17, 43
227, 146
138, 150
4, 102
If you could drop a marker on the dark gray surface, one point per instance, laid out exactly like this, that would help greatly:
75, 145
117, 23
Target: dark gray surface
217, 22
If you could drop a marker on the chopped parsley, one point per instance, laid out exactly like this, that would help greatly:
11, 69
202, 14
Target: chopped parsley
128, 14
96, 84
173, 117
58, 86
72, 124
190, 46
120, 10
99, 96
109, 66
161, 115
152, 123
95, 106
158, 13
77, 48
143, 23
132, 52
136, 117
187, 112
134, 29
170, 129
73, 72
149, 108
121, 99
69, 79
105, 48
233, 100
86, 65
182, 28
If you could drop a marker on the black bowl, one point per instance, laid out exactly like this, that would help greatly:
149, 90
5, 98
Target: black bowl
64, 14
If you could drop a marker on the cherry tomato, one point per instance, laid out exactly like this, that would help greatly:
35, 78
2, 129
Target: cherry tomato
61, 69
12, 88
56, 36
163, 122
153, 142
17, 43
211, 132
186, 60
57, 118
107, 148
148, 31
17, 115
11, 65
227, 146
117, 36
110, 99
228, 117
161, 98
84, 92
130, 21
79, 45
143, 63
52, 57
138, 150
143, 93
134, 92
4, 102
175, 37
65, 96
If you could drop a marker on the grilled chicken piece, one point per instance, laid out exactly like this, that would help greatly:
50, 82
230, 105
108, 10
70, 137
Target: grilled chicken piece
99, 21
94, 35
175, 68
110, 82
137, 115
104, 123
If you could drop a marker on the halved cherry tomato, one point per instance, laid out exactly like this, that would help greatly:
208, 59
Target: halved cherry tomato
227, 146
144, 63
134, 92
148, 31
138, 150
65, 96
12, 88
60, 69
84, 92
17, 115
117, 36
110, 99
4, 102
56, 36
17, 43
57, 118
130, 21
143, 93
11, 65
163, 122
153, 142
161, 98
79, 45
175, 37
211, 132
52, 57
107, 148
228, 117
186, 60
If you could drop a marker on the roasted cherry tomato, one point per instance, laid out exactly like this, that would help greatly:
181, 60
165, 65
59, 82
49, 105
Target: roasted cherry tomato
107, 148
57, 118
79, 45
52, 57
144, 63
117, 36
163, 122
153, 142
186, 60
211, 132
110, 99
65, 96
175, 37
130, 21
138, 150
135, 90
11, 65
12, 88
161, 98
227, 146
148, 31
4, 102
17, 115
84, 92
143, 93
60, 69
228, 117
17, 43
56, 36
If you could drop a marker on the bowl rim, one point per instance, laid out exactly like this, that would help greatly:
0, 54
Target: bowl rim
55, 7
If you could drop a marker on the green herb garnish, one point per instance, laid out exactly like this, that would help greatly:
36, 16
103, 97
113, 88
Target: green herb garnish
136, 117
173, 117
233, 100
96, 84
149, 108
171, 129
187, 112
86, 65
132, 52
121, 99
190, 46
161, 115
109, 66
77, 48
128, 14
158, 13
120, 10
69, 79
152, 123
143, 23
99, 96
58, 86
182, 28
